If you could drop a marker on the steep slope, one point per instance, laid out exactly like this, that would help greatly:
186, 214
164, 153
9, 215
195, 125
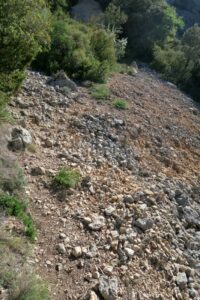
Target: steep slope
135, 215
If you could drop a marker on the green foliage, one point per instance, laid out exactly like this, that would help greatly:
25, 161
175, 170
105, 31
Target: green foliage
180, 61
14, 274
83, 52
24, 27
149, 22
57, 5
15, 207
32, 148
113, 18
67, 178
10, 82
4, 115
120, 104
11, 176
100, 92
29, 287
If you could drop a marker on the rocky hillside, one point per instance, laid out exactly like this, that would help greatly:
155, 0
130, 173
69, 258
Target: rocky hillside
131, 228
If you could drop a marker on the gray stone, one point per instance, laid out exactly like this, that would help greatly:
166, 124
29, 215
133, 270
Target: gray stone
49, 143
20, 139
129, 252
193, 293
109, 210
61, 80
128, 199
97, 222
181, 280
77, 252
38, 171
92, 251
108, 270
144, 224
192, 217
61, 248
108, 287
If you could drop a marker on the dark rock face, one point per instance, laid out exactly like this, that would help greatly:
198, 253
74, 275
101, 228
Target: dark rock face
188, 9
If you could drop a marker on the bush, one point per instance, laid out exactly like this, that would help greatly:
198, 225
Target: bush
120, 104
179, 61
100, 92
4, 115
11, 176
15, 207
149, 22
67, 178
29, 287
18, 281
24, 27
83, 52
32, 148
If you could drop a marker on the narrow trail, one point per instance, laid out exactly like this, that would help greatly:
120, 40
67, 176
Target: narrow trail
140, 171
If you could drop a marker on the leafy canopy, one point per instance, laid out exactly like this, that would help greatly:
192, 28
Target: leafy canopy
24, 27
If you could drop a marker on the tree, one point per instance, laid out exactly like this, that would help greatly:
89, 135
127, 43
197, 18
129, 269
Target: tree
114, 18
180, 61
149, 22
24, 31
82, 51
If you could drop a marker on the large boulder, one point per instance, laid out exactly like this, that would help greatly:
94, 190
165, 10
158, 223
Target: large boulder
20, 139
85, 10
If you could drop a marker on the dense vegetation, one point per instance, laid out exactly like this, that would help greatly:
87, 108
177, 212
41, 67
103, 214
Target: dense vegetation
179, 61
155, 35
84, 52
89, 51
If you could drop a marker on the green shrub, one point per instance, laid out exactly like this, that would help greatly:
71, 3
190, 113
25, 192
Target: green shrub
15, 207
32, 148
179, 61
11, 82
4, 115
67, 178
11, 176
120, 104
15, 276
149, 22
100, 92
24, 27
29, 287
83, 52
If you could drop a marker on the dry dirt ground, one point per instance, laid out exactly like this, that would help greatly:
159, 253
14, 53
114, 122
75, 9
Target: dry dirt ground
140, 164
